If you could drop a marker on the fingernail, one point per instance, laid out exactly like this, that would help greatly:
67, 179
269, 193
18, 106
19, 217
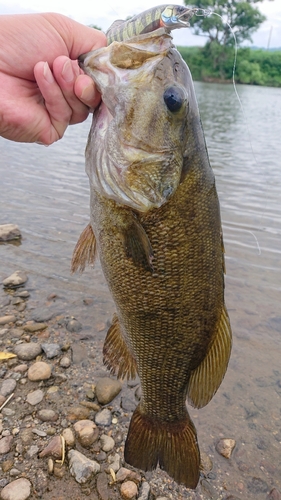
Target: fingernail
67, 72
48, 74
88, 93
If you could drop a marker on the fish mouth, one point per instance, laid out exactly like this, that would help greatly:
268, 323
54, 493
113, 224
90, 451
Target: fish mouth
81, 60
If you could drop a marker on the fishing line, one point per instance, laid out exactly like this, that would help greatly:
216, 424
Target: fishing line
207, 13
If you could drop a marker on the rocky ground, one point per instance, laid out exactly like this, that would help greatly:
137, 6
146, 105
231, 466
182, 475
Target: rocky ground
62, 425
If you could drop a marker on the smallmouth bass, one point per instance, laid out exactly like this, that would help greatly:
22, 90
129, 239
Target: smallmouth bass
155, 223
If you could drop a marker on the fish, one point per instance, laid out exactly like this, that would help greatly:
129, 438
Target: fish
168, 16
155, 224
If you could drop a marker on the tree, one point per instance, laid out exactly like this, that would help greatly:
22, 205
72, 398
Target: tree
241, 15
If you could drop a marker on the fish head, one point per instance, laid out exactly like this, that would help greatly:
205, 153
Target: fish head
138, 138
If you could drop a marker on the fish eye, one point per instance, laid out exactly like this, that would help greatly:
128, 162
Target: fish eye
174, 98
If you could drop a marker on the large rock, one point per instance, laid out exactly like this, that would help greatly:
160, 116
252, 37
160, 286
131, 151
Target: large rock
225, 447
81, 467
128, 490
16, 279
7, 387
5, 444
27, 351
9, 232
107, 389
39, 371
87, 432
9, 318
35, 397
19, 489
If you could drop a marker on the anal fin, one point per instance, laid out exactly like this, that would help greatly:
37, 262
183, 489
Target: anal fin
171, 444
85, 250
116, 355
207, 377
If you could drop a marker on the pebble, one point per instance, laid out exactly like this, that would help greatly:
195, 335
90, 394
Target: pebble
102, 486
3, 331
16, 279
87, 432
225, 447
161, 498
128, 490
53, 448
39, 371
107, 443
27, 351
78, 413
145, 491
128, 404
47, 415
68, 437
42, 314
32, 451
73, 325
24, 294
50, 466
21, 368
103, 417
5, 444
107, 389
35, 327
40, 433
257, 485
7, 465
26, 436
274, 494
14, 472
19, 489
65, 362
124, 474
206, 462
81, 467
9, 232
51, 350
35, 397
114, 461
4, 320
8, 386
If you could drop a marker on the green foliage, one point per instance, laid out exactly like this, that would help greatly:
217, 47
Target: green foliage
215, 63
95, 27
241, 15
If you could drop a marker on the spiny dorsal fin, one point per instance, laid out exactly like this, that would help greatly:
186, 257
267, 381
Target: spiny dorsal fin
206, 379
116, 355
85, 250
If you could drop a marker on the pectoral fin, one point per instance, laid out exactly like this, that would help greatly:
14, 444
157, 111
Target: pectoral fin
85, 250
137, 245
206, 379
116, 354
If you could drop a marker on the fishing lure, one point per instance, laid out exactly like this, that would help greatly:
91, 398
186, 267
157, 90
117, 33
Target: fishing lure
167, 16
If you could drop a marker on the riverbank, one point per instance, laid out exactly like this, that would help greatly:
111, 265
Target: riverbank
215, 64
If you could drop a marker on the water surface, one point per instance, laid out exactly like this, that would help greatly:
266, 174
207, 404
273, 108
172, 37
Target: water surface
45, 191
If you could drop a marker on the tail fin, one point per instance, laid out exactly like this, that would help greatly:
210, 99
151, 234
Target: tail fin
171, 444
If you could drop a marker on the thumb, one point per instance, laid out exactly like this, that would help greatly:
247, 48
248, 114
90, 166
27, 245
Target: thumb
86, 91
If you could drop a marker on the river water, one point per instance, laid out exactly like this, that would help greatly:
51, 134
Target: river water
45, 191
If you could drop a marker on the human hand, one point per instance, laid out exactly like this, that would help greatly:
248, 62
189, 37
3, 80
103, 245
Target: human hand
42, 88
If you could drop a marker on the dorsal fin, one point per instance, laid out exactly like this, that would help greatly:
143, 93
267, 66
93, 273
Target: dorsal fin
85, 250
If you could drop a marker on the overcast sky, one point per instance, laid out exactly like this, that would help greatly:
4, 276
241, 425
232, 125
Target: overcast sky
90, 12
